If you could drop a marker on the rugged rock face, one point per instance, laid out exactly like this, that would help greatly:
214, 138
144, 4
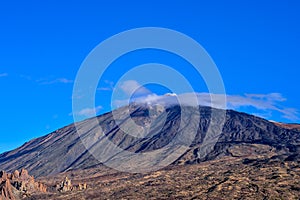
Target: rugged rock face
63, 150
6, 188
66, 186
19, 184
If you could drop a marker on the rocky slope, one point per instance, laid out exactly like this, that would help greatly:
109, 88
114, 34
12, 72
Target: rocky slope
63, 149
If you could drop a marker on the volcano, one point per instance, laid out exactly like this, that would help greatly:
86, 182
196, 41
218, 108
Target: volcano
241, 135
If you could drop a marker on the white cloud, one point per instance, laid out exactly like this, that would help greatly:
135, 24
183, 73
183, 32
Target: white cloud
109, 86
170, 94
269, 97
260, 101
63, 80
58, 80
265, 104
3, 74
88, 112
151, 98
131, 87
104, 89
190, 99
26, 77
290, 113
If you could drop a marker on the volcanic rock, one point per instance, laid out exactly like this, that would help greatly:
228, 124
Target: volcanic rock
66, 186
19, 184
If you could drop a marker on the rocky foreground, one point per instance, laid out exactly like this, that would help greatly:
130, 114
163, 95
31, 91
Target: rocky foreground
262, 177
19, 185
266, 176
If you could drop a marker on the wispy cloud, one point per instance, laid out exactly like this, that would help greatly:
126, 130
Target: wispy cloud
3, 74
260, 101
109, 86
264, 104
54, 81
26, 77
131, 90
131, 87
104, 89
46, 81
88, 112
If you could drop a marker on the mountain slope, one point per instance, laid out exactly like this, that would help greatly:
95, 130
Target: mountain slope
63, 149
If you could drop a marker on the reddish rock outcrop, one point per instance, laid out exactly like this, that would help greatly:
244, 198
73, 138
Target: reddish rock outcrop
18, 184
5, 187
66, 185
6, 190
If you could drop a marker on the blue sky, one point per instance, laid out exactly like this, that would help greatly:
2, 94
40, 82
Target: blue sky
255, 45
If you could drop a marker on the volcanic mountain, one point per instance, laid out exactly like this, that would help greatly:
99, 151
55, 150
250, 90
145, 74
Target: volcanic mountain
241, 135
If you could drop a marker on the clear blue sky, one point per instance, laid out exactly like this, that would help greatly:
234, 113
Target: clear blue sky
255, 45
